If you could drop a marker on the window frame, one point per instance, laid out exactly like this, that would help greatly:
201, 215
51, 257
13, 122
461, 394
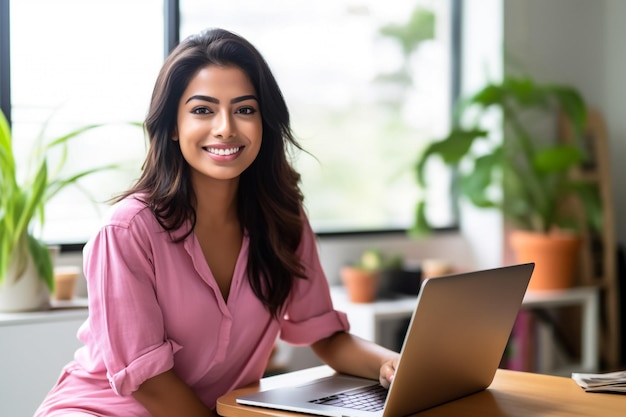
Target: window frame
5, 59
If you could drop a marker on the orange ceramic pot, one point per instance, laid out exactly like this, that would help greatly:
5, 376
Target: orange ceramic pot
361, 284
555, 256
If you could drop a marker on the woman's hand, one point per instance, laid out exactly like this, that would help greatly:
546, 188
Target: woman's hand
388, 371
350, 354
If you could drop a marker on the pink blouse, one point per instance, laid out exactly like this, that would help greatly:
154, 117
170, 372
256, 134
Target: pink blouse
154, 305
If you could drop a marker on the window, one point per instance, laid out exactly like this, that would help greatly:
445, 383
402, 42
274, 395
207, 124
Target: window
364, 98
77, 62
368, 84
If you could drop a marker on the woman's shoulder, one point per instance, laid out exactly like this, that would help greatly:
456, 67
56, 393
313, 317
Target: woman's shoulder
128, 210
125, 218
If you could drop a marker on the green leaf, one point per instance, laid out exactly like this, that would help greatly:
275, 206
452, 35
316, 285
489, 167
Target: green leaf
421, 227
451, 149
490, 95
34, 199
476, 185
592, 203
63, 139
420, 27
573, 106
58, 184
557, 159
7, 162
43, 262
5, 253
524, 93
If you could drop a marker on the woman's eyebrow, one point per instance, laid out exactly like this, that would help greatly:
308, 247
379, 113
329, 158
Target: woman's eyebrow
216, 101
243, 98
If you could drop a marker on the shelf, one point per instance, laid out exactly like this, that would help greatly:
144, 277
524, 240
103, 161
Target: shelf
59, 311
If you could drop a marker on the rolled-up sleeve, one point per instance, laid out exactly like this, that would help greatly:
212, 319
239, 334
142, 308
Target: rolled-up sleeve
310, 313
128, 379
125, 319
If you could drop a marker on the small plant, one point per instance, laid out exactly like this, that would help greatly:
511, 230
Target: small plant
376, 260
22, 203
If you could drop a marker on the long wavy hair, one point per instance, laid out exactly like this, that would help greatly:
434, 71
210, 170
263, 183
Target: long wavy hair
269, 198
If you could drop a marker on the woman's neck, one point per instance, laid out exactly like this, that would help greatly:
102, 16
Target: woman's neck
216, 201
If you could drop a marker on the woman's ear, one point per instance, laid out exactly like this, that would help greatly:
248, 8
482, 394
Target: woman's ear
175, 135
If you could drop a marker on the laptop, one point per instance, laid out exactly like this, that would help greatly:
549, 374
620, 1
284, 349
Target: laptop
453, 347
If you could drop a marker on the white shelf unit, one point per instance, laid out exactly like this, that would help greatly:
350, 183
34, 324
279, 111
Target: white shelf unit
380, 320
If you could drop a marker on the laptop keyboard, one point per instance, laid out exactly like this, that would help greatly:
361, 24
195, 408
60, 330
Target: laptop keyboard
371, 398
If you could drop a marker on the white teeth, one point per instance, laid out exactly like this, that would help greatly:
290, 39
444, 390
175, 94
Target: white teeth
223, 152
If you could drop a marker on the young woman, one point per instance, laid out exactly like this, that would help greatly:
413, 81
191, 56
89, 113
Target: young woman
209, 257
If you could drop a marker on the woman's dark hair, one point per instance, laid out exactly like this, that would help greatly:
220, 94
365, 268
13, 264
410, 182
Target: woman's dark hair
269, 197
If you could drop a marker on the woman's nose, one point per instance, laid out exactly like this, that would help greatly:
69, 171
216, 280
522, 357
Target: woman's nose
224, 126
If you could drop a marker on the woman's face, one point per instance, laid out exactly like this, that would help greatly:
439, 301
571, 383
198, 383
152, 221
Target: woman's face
219, 124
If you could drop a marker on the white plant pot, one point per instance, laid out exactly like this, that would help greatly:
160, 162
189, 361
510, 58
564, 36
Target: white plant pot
26, 292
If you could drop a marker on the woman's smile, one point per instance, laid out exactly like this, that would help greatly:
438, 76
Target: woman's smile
223, 153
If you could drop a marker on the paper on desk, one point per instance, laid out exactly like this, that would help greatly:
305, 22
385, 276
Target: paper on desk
607, 382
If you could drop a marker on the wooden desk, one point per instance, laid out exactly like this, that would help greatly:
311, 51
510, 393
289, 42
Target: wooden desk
511, 394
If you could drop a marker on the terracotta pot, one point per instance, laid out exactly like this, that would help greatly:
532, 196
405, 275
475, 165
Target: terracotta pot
361, 284
555, 256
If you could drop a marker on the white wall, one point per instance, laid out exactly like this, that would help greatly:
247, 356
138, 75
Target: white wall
560, 41
578, 42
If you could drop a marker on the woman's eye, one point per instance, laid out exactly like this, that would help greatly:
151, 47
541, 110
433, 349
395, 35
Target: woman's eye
201, 110
246, 110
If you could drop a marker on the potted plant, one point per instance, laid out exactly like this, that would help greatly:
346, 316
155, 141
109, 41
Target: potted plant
26, 269
362, 278
377, 275
528, 178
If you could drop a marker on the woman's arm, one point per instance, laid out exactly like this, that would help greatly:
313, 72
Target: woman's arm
166, 395
347, 353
